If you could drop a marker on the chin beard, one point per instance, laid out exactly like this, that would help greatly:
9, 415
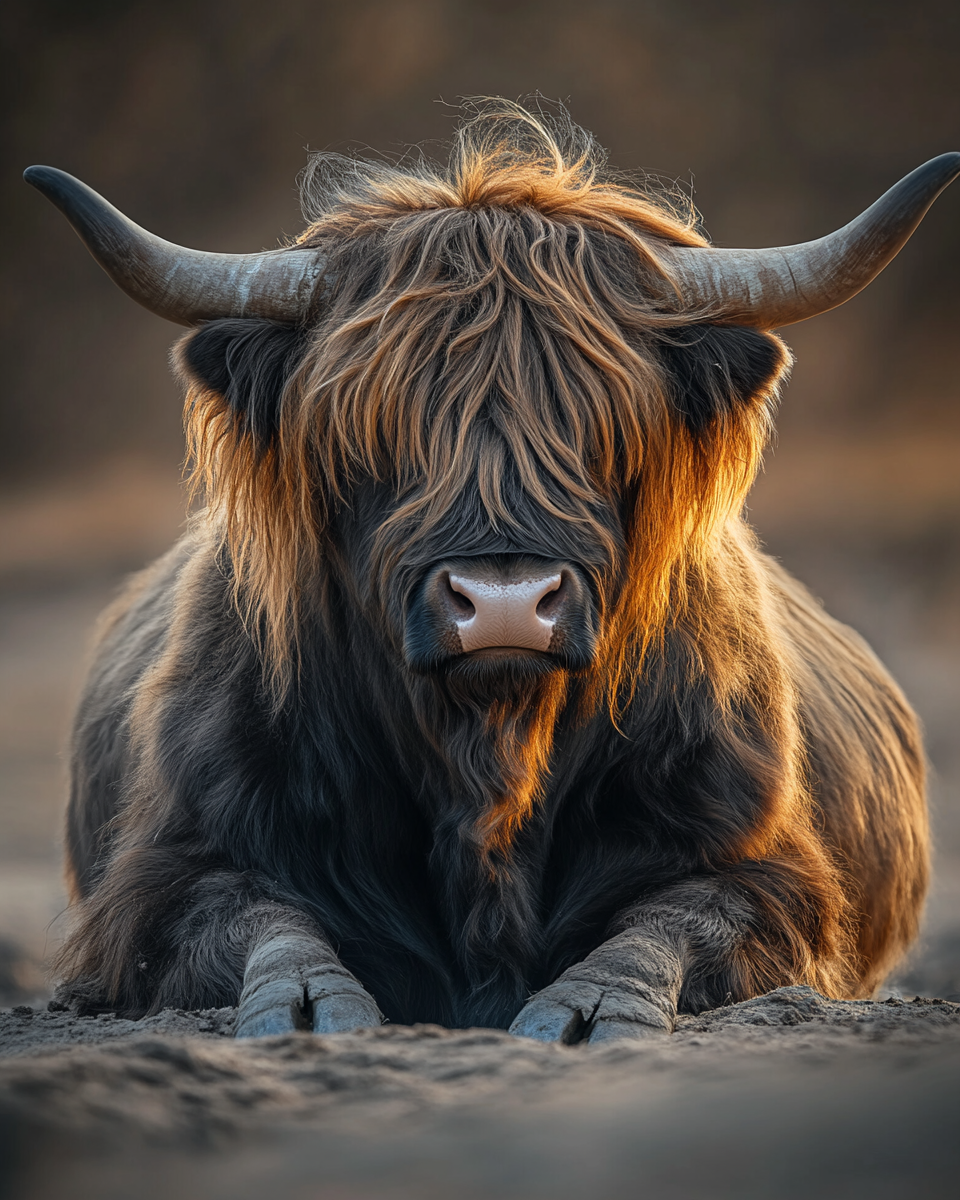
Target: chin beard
492, 724
493, 735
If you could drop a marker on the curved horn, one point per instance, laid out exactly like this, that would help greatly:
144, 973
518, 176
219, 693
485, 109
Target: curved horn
770, 288
186, 286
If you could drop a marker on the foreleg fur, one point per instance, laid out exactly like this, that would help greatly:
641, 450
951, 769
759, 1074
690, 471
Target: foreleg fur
230, 938
697, 945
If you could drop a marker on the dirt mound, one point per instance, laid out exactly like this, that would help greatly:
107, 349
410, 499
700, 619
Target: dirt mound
786, 1095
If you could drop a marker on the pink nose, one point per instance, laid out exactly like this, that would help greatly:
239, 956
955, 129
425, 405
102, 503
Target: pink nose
491, 613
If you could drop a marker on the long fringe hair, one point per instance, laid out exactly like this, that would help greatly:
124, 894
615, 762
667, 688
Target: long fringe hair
485, 319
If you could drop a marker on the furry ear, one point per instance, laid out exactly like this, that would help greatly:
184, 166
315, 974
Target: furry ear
712, 369
248, 363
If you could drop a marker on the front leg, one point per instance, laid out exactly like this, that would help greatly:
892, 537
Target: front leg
627, 988
293, 980
134, 951
695, 945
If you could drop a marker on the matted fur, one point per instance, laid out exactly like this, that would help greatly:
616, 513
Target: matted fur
732, 781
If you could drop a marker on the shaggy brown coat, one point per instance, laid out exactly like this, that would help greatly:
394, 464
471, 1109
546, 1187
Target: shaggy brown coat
728, 797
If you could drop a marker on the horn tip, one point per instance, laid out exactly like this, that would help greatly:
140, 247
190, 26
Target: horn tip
949, 161
940, 171
46, 179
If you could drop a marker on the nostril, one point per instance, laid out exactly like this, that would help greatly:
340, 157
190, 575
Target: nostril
553, 599
458, 600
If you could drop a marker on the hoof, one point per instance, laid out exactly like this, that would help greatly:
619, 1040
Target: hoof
573, 1011
274, 1006
339, 1004
325, 1004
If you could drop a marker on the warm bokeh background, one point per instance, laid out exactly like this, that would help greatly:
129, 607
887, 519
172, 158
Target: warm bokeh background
194, 115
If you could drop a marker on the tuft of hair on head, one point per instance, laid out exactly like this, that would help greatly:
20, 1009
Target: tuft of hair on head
504, 154
488, 314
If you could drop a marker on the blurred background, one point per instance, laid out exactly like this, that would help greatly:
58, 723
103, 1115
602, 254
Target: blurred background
194, 117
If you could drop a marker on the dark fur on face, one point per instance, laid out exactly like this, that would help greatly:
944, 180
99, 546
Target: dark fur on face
385, 535
486, 378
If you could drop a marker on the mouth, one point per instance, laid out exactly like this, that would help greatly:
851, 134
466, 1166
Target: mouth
501, 665
505, 653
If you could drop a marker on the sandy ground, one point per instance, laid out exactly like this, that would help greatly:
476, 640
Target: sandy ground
787, 1095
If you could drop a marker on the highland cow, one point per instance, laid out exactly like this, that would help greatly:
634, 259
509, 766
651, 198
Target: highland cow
469, 697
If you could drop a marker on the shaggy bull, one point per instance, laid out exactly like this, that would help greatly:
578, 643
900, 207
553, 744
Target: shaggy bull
470, 698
